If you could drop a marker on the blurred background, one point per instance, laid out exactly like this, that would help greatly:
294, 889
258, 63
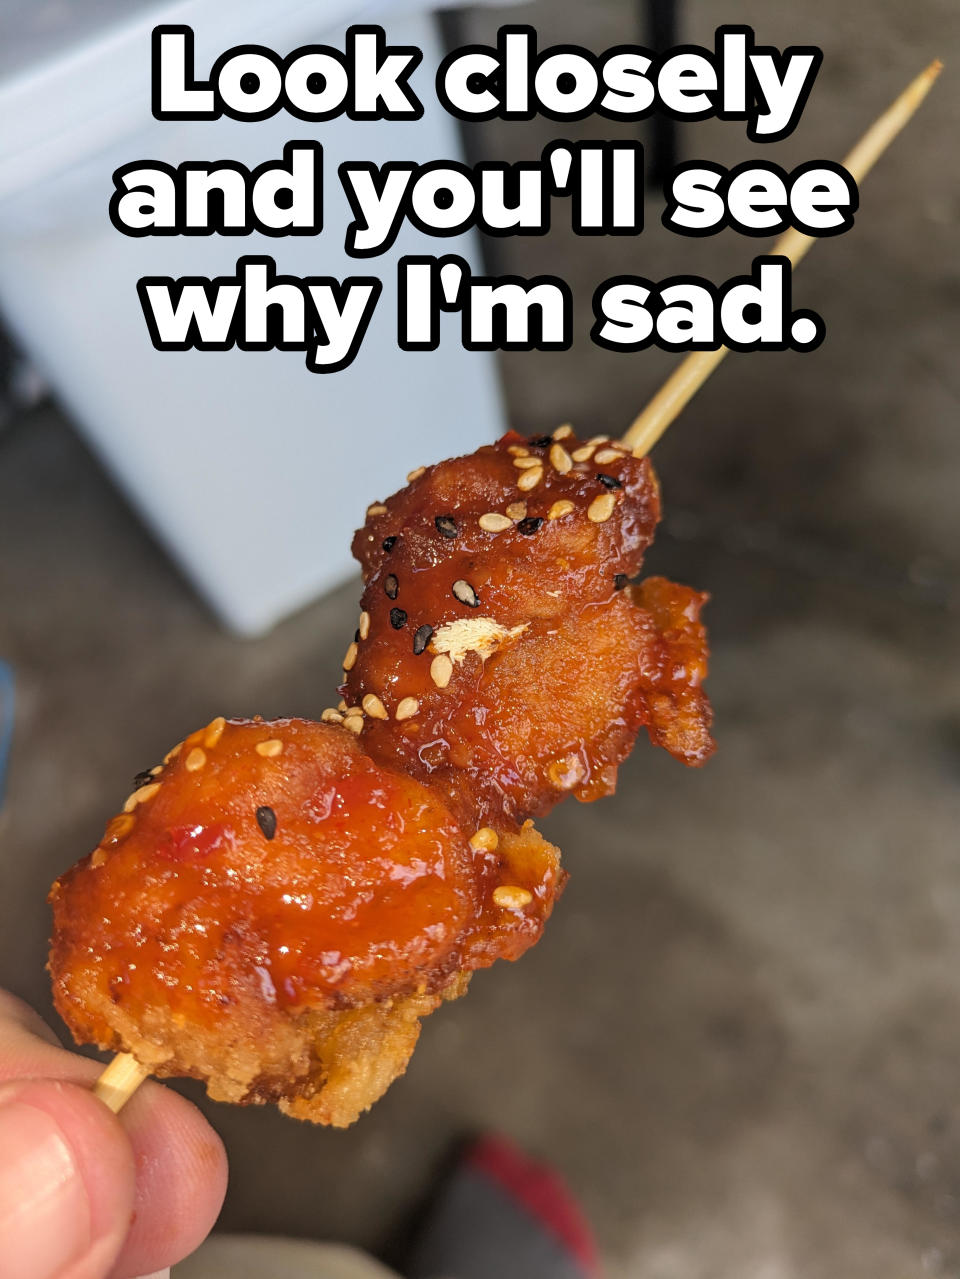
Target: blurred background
739, 1039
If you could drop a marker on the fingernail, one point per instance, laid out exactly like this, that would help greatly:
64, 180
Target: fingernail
44, 1210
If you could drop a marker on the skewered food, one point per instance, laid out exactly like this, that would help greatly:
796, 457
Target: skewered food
274, 912
280, 902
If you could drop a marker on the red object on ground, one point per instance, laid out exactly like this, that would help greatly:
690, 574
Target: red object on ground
541, 1191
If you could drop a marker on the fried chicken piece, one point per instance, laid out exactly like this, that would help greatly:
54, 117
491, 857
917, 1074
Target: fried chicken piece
274, 911
498, 655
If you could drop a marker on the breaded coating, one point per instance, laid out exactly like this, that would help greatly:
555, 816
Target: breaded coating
678, 712
499, 656
274, 911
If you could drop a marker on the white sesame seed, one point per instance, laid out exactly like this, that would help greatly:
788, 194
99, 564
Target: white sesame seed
526, 463
140, 796
530, 479
517, 511
377, 508
494, 522
118, 828
510, 897
415, 474
583, 454
214, 732
354, 723
601, 508
608, 455
98, 857
173, 752
599, 439
195, 760
342, 705
270, 748
563, 432
464, 592
373, 707
518, 450
441, 668
350, 657
407, 708
331, 716
485, 840
560, 459
364, 627
559, 509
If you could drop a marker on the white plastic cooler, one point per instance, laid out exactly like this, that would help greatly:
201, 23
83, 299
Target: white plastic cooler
252, 470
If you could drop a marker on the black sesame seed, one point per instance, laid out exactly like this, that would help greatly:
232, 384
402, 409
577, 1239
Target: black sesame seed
541, 441
356, 636
609, 481
143, 779
446, 525
422, 637
465, 593
529, 526
398, 618
389, 543
267, 821
391, 586
619, 581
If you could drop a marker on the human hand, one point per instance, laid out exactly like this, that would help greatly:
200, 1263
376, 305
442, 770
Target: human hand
82, 1194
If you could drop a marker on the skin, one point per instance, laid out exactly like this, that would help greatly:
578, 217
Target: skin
145, 1190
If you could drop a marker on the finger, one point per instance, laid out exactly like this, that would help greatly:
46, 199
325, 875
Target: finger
179, 1160
15, 1010
25, 1055
181, 1180
66, 1182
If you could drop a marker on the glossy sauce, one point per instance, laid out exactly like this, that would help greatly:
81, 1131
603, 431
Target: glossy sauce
368, 886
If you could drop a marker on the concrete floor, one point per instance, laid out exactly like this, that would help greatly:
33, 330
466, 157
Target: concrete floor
740, 1037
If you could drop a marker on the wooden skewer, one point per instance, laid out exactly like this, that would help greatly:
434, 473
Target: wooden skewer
124, 1075
687, 379
120, 1081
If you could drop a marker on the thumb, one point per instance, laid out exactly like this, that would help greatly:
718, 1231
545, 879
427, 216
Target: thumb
66, 1182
